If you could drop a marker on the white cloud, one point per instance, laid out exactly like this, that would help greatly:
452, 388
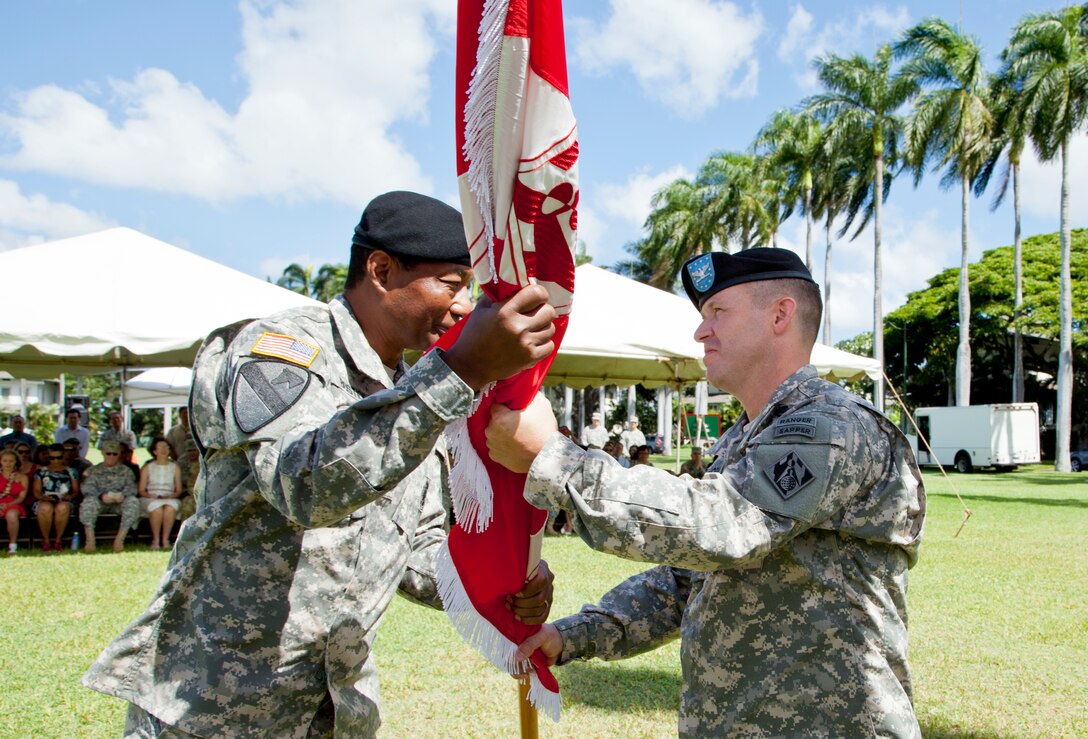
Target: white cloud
804, 40
32, 219
323, 95
684, 53
630, 200
1041, 184
915, 248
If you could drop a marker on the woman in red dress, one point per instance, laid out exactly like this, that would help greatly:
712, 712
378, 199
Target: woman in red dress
13, 489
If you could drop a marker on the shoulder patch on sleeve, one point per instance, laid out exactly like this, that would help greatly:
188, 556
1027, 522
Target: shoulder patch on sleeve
263, 390
789, 474
287, 348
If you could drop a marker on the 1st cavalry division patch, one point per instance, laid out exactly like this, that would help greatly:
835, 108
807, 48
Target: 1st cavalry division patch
265, 389
287, 348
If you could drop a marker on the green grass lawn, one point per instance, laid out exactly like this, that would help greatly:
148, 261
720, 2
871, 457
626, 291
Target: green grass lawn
999, 632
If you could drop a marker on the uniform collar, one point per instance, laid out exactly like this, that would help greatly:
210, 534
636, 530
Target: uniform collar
747, 428
355, 345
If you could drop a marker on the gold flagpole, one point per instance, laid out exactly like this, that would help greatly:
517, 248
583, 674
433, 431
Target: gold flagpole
526, 710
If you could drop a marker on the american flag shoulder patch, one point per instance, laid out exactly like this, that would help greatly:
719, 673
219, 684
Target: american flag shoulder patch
285, 347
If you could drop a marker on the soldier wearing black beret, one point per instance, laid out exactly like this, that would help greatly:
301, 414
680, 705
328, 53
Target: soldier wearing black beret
784, 569
323, 476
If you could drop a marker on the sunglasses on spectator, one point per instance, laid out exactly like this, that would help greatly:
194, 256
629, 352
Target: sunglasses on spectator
112, 454
52, 457
22, 451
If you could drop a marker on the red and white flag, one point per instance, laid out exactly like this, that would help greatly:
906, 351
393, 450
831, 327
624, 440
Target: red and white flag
518, 176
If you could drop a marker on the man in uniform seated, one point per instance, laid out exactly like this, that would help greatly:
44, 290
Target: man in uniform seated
109, 487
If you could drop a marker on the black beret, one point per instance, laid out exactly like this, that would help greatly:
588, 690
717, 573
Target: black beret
707, 274
407, 224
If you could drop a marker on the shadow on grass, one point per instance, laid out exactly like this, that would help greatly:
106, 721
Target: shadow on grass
930, 731
613, 688
1058, 502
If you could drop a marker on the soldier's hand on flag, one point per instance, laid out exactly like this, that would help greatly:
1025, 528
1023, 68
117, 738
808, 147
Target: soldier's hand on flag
548, 640
501, 339
514, 438
532, 604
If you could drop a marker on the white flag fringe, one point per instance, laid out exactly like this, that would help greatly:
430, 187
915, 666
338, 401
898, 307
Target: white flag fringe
480, 113
480, 634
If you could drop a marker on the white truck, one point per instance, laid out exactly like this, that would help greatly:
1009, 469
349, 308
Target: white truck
1000, 435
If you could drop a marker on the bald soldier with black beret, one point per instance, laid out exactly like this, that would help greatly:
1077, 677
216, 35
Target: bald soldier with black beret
322, 474
784, 569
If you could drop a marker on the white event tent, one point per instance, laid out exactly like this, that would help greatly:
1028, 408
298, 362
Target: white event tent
119, 299
623, 332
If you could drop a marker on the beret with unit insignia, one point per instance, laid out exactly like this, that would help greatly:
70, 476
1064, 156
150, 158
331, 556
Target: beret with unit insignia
707, 274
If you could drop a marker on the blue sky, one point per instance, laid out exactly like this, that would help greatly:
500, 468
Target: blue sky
254, 133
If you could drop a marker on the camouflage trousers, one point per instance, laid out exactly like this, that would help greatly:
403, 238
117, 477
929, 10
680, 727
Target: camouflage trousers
129, 508
139, 724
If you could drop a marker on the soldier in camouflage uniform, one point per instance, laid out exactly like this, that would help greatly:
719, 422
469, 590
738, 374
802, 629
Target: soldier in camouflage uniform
320, 496
109, 487
783, 570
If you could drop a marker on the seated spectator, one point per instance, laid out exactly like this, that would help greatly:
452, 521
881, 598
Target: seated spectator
72, 430
109, 487
72, 458
19, 433
26, 459
640, 455
695, 466
160, 490
41, 457
55, 487
13, 490
127, 460
118, 432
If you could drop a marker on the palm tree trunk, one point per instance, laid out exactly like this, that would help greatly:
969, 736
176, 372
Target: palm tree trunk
878, 281
1065, 351
1018, 294
808, 228
827, 281
963, 351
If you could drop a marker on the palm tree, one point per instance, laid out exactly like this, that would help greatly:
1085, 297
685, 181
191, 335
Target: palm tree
738, 199
833, 182
329, 281
1008, 142
677, 228
860, 105
793, 142
1048, 57
949, 128
298, 279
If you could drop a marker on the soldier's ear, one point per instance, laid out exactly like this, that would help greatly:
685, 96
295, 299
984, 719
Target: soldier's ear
784, 311
379, 268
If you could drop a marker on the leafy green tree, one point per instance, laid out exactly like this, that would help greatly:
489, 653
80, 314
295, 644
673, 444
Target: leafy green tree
949, 128
860, 106
1048, 56
930, 320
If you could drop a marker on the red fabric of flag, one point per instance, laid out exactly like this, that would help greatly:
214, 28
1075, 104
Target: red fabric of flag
518, 176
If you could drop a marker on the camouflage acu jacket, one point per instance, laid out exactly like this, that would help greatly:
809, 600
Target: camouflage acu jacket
783, 570
100, 479
320, 494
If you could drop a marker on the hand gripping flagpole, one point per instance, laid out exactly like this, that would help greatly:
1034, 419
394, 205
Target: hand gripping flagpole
517, 174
